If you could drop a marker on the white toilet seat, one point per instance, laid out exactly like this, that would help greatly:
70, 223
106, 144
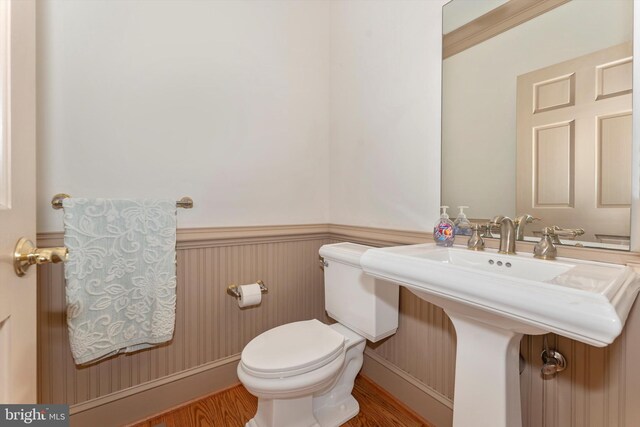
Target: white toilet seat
292, 349
294, 386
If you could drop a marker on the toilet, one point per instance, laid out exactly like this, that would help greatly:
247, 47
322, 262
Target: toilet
303, 372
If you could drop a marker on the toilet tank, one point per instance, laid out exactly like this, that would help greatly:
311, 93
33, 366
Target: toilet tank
364, 304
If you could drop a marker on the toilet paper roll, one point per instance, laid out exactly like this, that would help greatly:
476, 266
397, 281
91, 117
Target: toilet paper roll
249, 295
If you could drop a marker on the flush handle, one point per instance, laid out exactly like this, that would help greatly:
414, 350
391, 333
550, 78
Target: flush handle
323, 263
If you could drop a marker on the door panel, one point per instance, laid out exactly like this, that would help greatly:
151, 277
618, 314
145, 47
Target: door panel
553, 157
18, 369
574, 143
554, 93
614, 167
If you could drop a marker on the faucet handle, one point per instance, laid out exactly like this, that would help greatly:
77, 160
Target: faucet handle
573, 232
558, 232
476, 242
545, 248
526, 219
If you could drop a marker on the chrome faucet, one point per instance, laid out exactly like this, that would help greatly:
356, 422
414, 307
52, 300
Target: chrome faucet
521, 222
507, 234
492, 227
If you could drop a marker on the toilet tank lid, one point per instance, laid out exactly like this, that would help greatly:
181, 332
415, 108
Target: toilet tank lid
348, 253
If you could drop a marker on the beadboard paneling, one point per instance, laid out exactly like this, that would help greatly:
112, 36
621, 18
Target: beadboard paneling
209, 324
600, 388
425, 333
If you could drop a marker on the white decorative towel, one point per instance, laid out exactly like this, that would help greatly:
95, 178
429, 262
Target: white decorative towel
121, 275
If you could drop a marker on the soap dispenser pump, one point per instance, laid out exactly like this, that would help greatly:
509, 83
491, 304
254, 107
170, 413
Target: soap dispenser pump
462, 226
443, 231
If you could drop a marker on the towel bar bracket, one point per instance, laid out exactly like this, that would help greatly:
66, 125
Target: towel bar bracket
186, 203
56, 201
27, 254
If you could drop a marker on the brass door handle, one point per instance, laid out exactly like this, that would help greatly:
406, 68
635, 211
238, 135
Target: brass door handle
26, 254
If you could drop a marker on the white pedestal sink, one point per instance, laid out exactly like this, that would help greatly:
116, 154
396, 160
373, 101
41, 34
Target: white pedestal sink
494, 299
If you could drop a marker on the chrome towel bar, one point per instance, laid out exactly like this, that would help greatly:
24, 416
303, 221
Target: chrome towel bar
56, 202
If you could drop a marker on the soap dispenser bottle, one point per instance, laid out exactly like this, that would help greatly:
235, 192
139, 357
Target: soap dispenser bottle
461, 225
443, 231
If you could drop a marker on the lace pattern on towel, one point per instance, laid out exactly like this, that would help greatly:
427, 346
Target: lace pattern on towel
121, 277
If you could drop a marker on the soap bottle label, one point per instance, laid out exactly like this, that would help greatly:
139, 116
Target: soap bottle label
443, 233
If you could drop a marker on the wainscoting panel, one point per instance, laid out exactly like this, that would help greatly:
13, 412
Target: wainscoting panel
600, 388
209, 324
427, 331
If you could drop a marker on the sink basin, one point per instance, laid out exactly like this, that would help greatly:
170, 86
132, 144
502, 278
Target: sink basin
524, 267
493, 299
583, 300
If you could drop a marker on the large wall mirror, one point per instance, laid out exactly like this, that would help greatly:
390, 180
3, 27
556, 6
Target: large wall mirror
537, 115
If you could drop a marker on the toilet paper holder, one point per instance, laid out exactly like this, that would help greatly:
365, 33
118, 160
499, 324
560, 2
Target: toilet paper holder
232, 289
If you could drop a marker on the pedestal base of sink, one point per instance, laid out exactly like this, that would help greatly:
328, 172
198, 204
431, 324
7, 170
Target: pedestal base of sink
487, 382
493, 299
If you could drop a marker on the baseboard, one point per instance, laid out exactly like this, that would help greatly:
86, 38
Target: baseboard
418, 397
153, 397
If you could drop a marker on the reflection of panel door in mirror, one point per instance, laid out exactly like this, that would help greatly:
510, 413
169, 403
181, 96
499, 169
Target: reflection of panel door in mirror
574, 144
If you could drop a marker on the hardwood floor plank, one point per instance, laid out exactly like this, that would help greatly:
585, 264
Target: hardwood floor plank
235, 406
379, 408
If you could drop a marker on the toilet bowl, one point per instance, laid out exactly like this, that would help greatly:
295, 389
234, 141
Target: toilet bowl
303, 372
312, 390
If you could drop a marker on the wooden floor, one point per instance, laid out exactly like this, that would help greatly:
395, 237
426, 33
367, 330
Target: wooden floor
235, 406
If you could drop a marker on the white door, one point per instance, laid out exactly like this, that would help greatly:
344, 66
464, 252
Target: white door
18, 369
574, 144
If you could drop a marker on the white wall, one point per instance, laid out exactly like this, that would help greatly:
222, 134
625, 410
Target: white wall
239, 104
479, 105
224, 101
385, 113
